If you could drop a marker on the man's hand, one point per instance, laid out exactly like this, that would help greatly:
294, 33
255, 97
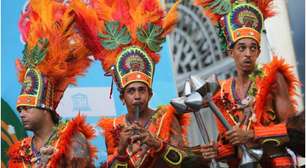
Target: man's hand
239, 135
145, 137
208, 151
124, 139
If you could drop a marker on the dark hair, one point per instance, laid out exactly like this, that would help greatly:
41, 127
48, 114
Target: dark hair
54, 116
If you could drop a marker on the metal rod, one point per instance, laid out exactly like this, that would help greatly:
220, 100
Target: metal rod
248, 160
202, 127
219, 115
205, 136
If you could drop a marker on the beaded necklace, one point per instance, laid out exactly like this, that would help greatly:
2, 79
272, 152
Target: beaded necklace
37, 154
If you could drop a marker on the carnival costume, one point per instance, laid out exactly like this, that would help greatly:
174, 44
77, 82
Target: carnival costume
125, 35
53, 57
235, 20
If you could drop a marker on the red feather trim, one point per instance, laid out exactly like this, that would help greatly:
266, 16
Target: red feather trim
121, 14
270, 70
24, 26
88, 24
265, 6
107, 124
14, 154
185, 122
166, 117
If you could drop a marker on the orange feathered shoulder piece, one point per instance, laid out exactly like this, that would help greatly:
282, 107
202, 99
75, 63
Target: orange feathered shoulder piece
110, 127
163, 119
264, 84
21, 154
18, 154
76, 125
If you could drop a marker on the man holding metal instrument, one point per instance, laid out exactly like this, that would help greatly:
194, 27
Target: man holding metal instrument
127, 47
257, 102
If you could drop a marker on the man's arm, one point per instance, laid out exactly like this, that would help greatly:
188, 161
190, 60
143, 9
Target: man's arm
198, 157
282, 103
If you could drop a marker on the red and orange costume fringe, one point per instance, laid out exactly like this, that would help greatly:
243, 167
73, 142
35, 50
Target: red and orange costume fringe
265, 125
21, 155
161, 127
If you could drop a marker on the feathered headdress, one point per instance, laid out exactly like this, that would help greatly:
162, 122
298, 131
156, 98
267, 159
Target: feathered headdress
53, 56
236, 19
125, 35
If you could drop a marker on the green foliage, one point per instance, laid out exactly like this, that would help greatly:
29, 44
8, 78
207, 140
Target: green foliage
222, 38
220, 7
114, 37
258, 72
151, 36
32, 57
15, 129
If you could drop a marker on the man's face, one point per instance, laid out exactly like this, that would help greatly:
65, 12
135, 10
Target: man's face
32, 117
245, 53
136, 93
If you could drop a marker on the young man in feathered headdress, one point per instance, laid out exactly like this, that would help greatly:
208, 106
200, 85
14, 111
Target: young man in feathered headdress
54, 55
268, 91
126, 36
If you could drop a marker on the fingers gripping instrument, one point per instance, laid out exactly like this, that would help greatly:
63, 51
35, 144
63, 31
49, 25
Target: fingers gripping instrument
202, 98
193, 85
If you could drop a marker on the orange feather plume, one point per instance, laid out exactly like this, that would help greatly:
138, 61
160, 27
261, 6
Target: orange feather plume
171, 19
277, 65
132, 14
66, 55
265, 6
88, 24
